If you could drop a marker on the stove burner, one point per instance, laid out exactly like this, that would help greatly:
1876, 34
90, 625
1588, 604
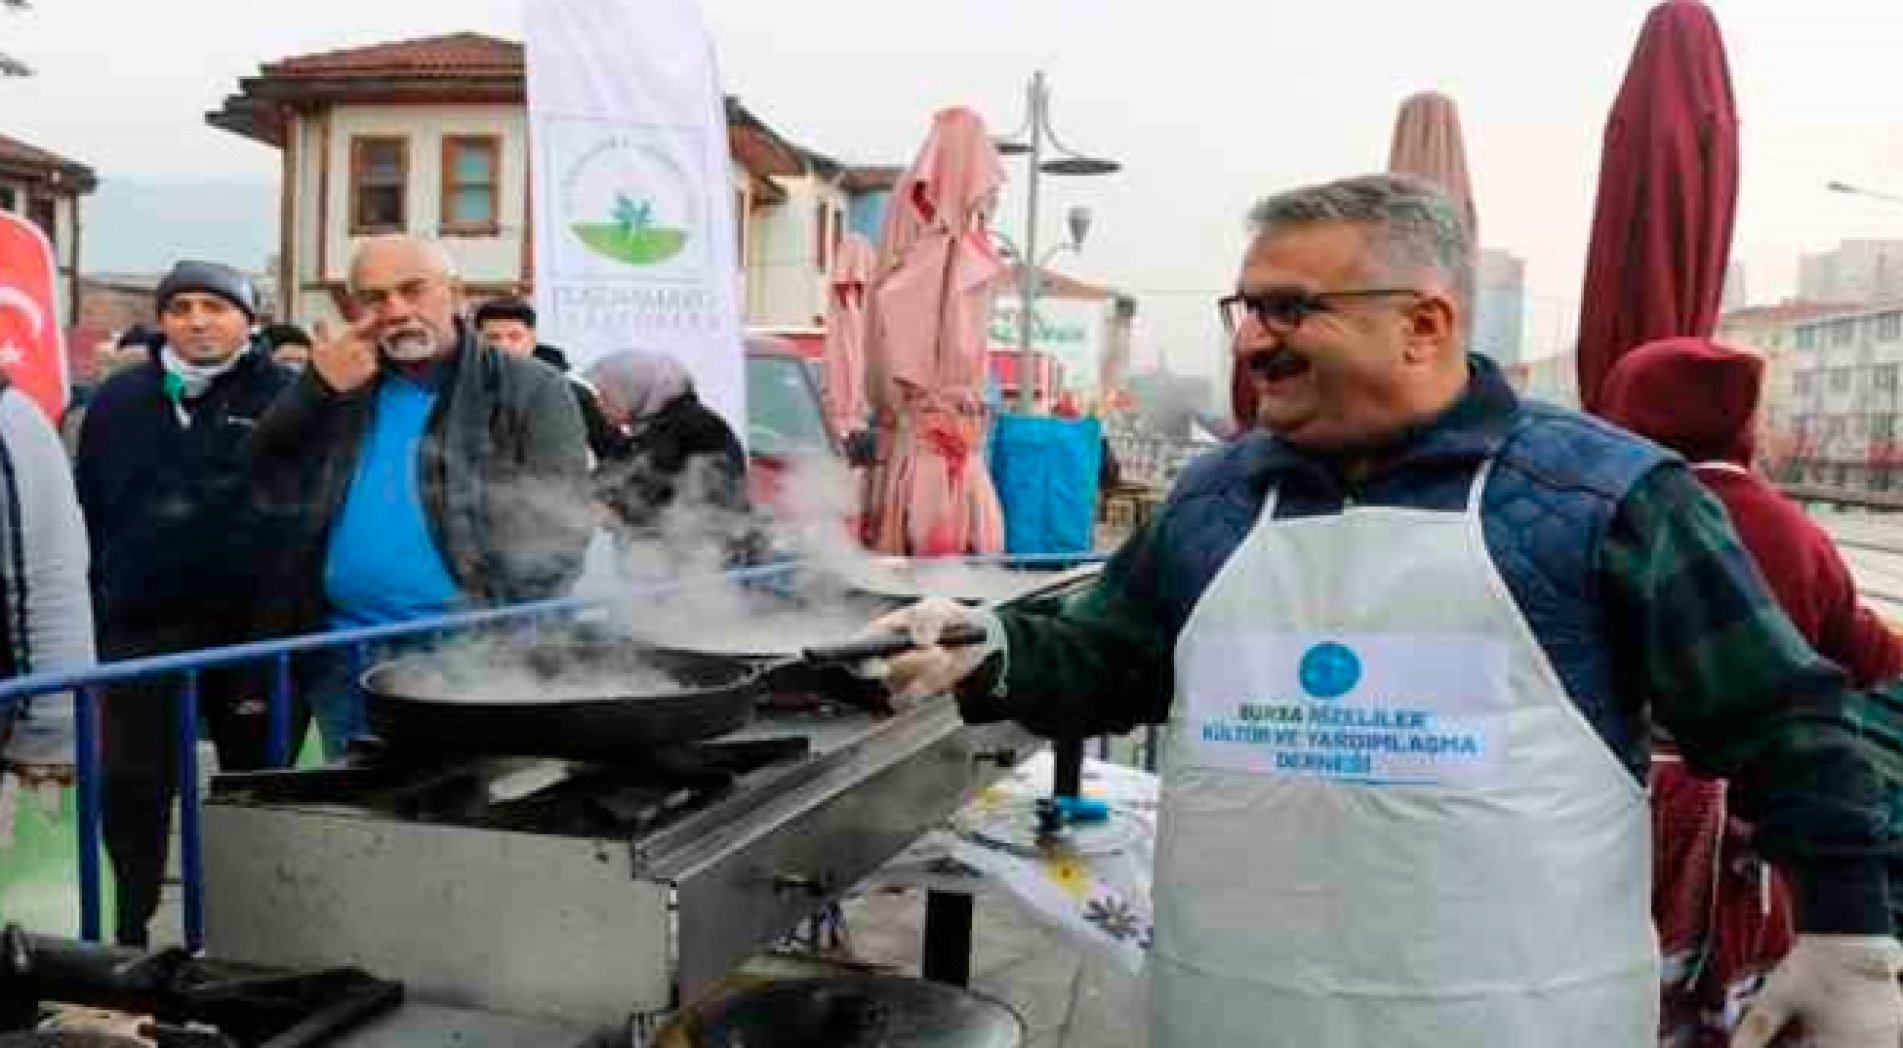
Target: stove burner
194, 1003
528, 795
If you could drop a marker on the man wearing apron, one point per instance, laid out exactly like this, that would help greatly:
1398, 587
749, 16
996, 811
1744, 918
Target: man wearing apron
1408, 637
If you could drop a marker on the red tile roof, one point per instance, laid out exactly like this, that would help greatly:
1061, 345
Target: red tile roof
457, 54
461, 67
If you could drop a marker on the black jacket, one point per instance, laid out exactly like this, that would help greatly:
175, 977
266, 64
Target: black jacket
177, 533
603, 439
504, 475
684, 448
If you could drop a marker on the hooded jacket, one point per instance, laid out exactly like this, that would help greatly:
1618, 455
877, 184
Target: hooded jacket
1700, 399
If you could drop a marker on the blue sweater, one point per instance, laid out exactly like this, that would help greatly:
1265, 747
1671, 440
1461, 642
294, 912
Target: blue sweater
383, 565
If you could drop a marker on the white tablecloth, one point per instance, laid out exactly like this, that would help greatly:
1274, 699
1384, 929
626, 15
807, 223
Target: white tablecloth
1102, 902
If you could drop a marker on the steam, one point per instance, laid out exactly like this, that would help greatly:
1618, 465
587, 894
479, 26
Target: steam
684, 551
829, 598
498, 669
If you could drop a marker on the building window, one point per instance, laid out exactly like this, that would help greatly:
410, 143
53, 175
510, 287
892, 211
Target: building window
740, 216
43, 211
1883, 377
1883, 427
379, 185
1890, 327
1807, 338
9, 198
822, 236
1800, 383
1843, 332
1840, 380
472, 176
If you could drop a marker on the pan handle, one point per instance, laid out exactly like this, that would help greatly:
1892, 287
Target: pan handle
957, 635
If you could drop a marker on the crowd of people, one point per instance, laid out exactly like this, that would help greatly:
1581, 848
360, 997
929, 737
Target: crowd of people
233, 482
1416, 640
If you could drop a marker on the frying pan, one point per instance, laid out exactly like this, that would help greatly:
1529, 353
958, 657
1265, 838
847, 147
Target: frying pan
423, 704
847, 1011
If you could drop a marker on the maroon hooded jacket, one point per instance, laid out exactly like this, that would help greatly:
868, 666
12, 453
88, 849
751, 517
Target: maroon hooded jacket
1700, 399
1723, 918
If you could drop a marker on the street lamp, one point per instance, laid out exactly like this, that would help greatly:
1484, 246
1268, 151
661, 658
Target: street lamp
1847, 188
1077, 220
1030, 140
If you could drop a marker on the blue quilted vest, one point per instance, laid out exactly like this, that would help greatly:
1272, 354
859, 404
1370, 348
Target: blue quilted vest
1557, 481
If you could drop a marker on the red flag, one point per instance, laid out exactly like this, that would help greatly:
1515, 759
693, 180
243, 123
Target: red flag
32, 346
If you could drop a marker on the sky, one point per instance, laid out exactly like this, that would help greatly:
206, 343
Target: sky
1208, 104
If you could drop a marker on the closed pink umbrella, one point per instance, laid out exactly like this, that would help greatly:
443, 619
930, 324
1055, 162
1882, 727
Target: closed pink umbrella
1427, 142
925, 348
845, 359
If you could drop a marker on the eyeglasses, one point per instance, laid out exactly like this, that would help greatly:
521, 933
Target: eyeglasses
1281, 312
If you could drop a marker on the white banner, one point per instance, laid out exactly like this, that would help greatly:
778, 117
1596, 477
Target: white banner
633, 197
1071, 329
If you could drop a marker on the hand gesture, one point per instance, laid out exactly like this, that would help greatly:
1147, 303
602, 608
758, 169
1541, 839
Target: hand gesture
348, 360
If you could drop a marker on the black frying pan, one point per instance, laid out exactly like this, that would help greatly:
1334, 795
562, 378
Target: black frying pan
430, 704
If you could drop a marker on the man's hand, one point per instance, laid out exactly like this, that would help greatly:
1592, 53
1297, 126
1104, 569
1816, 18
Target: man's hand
1841, 987
348, 360
934, 670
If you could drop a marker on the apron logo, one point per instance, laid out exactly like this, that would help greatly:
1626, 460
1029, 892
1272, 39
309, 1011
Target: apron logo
1329, 671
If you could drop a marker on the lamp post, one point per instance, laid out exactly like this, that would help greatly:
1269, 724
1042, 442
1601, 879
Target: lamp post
1850, 190
1030, 139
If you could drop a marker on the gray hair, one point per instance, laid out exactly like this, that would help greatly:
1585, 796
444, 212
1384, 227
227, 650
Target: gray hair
1414, 225
438, 253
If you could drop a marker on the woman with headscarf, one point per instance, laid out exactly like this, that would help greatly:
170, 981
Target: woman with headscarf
668, 451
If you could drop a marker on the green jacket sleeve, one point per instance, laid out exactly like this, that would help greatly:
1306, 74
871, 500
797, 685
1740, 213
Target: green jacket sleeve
1098, 664
1726, 673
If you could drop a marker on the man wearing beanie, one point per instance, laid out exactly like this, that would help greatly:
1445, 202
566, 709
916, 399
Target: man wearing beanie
183, 555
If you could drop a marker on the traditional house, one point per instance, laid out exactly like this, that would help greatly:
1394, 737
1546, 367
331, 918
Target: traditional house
46, 188
430, 137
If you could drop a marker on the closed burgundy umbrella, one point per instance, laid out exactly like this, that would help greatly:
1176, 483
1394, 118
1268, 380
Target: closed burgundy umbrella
1668, 195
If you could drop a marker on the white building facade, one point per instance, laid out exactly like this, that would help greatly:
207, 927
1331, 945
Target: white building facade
1500, 309
45, 188
1844, 400
1861, 271
430, 137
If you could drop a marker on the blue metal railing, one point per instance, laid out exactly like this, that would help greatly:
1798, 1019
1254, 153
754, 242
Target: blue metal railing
86, 686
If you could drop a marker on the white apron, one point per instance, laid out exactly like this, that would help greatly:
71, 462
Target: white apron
1383, 823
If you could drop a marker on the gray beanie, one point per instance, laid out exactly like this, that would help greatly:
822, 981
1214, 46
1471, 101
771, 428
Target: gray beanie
212, 279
